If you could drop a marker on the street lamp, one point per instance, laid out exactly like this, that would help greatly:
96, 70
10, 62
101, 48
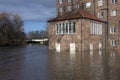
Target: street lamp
107, 22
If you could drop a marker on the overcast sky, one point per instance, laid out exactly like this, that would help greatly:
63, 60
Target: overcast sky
29, 9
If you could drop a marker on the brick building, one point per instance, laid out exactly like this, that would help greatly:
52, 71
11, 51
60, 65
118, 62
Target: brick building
106, 10
87, 18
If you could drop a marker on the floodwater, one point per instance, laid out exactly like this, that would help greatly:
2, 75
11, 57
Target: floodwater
37, 63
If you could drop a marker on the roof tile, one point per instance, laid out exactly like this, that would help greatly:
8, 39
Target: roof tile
75, 15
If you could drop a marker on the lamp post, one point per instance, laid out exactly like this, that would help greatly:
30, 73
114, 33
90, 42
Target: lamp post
107, 23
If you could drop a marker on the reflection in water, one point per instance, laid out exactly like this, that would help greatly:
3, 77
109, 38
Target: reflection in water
34, 63
93, 65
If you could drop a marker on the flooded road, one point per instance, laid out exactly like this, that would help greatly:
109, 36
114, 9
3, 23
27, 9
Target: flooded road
37, 63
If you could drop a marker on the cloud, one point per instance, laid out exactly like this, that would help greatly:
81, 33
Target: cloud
29, 9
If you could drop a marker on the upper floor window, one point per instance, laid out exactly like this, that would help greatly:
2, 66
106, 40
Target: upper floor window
100, 2
113, 43
88, 4
60, 1
61, 10
77, 6
95, 28
114, 1
112, 30
100, 14
69, 8
113, 12
65, 28
69, 0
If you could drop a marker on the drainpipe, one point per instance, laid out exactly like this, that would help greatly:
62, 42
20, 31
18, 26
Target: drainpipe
94, 2
107, 25
81, 35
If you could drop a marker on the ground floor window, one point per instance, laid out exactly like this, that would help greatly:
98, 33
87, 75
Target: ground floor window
95, 28
65, 28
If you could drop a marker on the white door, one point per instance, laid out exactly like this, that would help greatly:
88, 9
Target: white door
72, 46
57, 45
91, 46
100, 46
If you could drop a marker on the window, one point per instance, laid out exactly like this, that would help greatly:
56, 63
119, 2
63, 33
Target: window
57, 29
114, 1
112, 30
62, 27
113, 43
60, 1
100, 2
88, 4
69, 0
100, 14
69, 8
65, 28
95, 28
113, 12
77, 6
61, 9
73, 27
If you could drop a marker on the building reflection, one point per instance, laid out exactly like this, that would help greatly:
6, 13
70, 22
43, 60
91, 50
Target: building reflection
95, 65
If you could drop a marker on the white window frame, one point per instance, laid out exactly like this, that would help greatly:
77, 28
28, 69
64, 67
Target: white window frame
100, 14
113, 12
69, 0
65, 29
95, 28
113, 43
69, 8
56, 28
77, 6
112, 30
100, 28
61, 9
113, 1
88, 4
60, 1
100, 2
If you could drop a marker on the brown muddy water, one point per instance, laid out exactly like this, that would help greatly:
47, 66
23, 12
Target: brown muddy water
37, 63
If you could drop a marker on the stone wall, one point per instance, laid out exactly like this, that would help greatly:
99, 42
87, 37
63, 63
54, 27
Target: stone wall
82, 38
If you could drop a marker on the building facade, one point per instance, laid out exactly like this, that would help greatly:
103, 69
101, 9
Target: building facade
95, 24
77, 30
106, 10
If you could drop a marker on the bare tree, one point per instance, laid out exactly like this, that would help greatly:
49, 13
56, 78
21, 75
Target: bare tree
11, 31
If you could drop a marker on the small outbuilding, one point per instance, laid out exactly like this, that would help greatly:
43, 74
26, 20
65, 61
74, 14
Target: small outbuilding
76, 30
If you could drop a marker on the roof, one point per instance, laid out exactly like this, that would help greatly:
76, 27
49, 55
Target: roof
79, 14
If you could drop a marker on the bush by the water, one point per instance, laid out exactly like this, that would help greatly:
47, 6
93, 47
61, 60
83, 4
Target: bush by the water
11, 30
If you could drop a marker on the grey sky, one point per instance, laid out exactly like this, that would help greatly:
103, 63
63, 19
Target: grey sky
29, 9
